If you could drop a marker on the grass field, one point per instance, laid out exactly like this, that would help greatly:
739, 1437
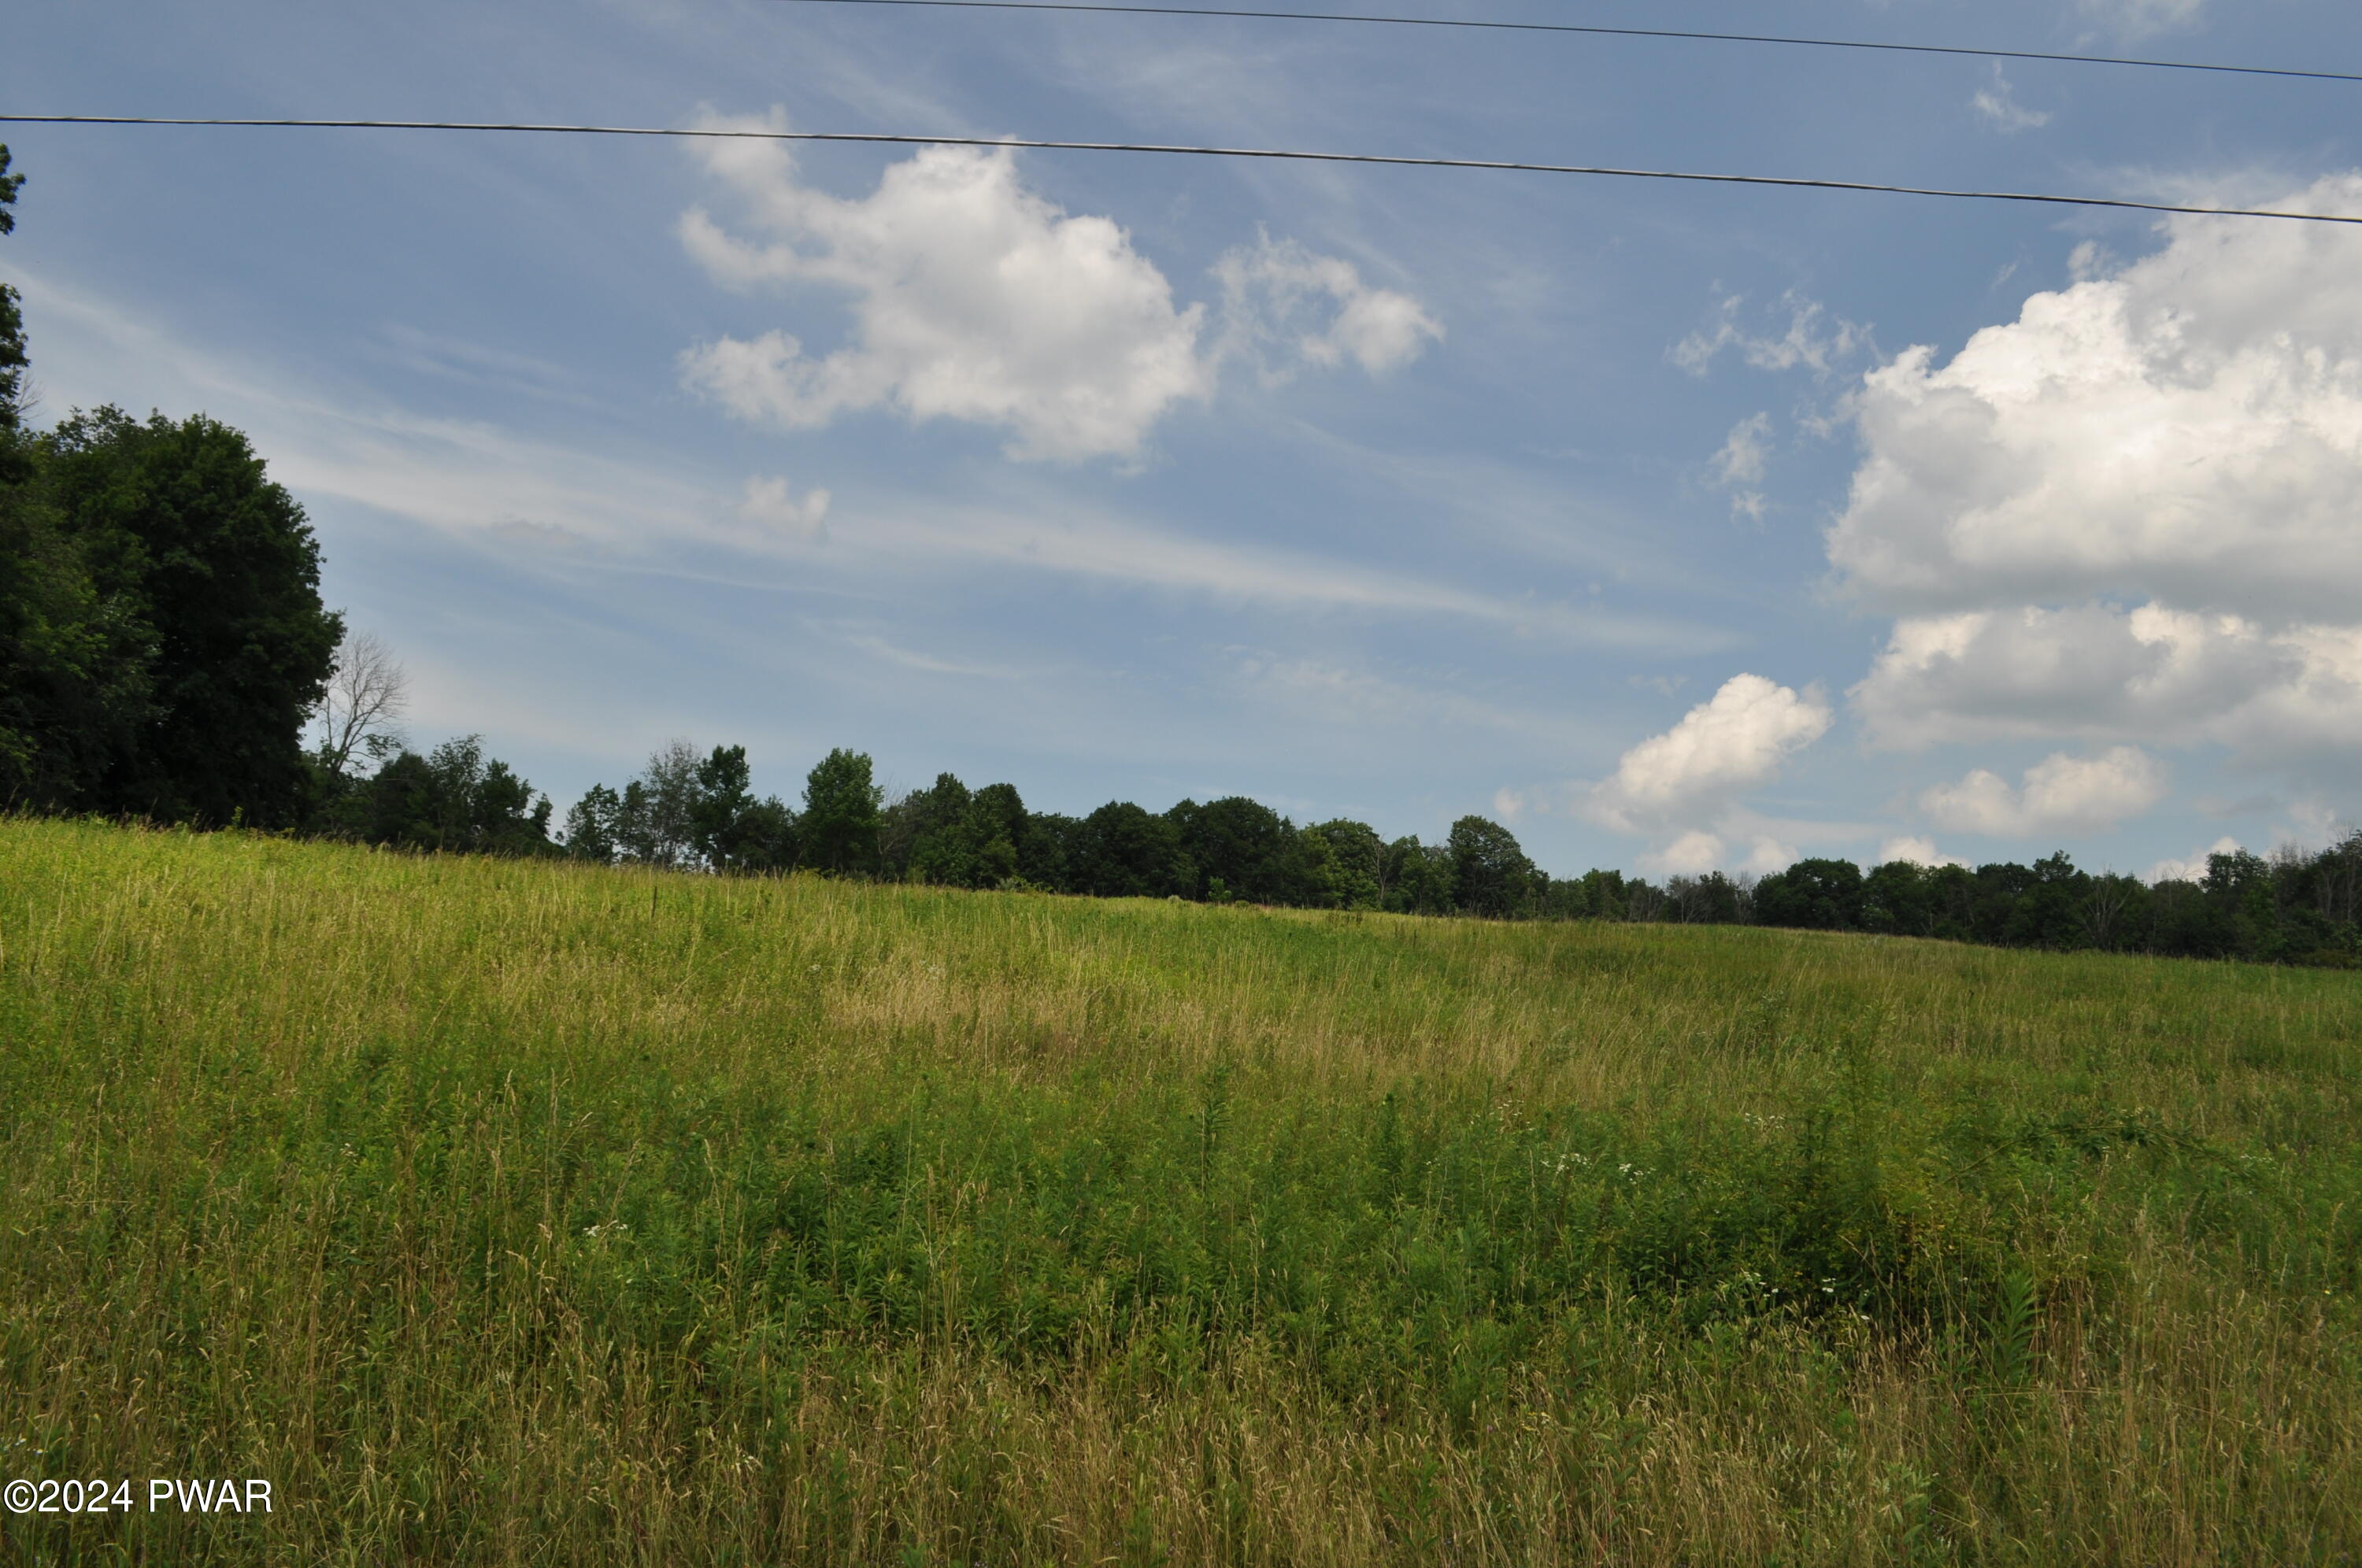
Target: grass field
513, 1212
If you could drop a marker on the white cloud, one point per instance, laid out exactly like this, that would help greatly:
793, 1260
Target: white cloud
1317, 310
1697, 852
1739, 467
2181, 435
1722, 748
1918, 851
1690, 853
2193, 868
2099, 672
1804, 343
1999, 106
2060, 794
2187, 429
770, 505
975, 299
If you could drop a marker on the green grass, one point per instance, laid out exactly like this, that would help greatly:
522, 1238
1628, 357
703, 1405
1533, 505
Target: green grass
499, 1211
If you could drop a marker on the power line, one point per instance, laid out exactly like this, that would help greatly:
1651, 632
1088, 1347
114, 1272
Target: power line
1607, 32
1027, 144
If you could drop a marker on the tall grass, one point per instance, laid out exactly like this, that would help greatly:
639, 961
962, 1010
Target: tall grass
513, 1212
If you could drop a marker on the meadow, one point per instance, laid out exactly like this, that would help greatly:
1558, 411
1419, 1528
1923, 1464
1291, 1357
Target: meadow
525, 1212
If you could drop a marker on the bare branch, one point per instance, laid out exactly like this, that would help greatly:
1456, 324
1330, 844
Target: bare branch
366, 697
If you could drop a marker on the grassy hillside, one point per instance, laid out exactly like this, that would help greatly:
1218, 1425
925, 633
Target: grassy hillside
500, 1212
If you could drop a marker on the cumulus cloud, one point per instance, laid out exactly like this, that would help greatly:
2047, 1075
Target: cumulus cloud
1315, 310
1722, 748
2135, 506
2099, 671
1918, 851
2188, 429
975, 299
1804, 343
2060, 794
1997, 104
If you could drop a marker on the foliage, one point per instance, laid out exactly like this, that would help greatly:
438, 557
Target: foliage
838, 831
1121, 851
1490, 875
214, 570
12, 316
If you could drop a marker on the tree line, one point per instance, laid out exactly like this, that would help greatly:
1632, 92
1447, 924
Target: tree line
691, 812
165, 656
2293, 906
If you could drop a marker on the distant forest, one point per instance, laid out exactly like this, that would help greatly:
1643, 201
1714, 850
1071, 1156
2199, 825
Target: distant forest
696, 813
165, 656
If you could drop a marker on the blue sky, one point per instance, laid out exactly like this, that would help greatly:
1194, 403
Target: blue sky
1677, 526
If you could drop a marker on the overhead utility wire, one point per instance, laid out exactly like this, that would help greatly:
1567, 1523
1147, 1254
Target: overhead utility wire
1027, 144
1606, 32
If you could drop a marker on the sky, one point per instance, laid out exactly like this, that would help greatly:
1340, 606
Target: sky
1678, 527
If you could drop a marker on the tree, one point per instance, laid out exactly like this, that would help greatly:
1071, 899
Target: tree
366, 694
1605, 894
840, 824
992, 830
763, 838
1346, 861
1243, 844
730, 830
1490, 874
930, 826
74, 671
73, 668
1894, 899
12, 316
1711, 899
185, 536
1121, 851
454, 799
2049, 910
1418, 877
1565, 899
2240, 895
593, 830
2113, 910
1818, 895
656, 823
720, 794
1045, 851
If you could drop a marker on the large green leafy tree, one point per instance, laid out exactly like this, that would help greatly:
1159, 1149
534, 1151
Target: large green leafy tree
839, 829
1490, 873
734, 831
1123, 851
180, 528
1245, 846
1346, 863
1819, 895
1418, 877
74, 665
